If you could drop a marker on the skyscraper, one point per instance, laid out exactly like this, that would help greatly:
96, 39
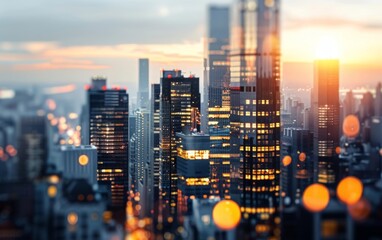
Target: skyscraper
143, 91
325, 106
219, 99
154, 146
108, 111
179, 111
255, 112
193, 169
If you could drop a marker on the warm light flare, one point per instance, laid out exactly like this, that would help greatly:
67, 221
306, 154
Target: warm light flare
226, 215
316, 197
350, 190
327, 48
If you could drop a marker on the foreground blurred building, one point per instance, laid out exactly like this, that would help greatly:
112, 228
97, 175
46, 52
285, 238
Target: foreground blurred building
255, 113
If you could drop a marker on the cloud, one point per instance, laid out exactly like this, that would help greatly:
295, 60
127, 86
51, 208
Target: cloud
329, 22
56, 64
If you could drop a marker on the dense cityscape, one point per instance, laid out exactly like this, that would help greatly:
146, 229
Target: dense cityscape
234, 153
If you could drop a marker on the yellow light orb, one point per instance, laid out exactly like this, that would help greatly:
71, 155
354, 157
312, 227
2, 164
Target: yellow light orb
349, 190
139, 234
302, 157
287, 160
351, 126
327, 48
316, 197
226, 215
52, 191
83, 160
72, 218
360, 210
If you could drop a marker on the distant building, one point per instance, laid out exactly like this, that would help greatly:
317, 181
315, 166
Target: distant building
179, 112
295, 177
326, 107
78, 162
143, 90
32, 146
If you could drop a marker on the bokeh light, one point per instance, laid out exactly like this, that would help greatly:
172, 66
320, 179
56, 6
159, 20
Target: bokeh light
350, 190
52, 191
226, 215
316, 197
72, 218
302, 157
83, 160
351, 126
287, 160
360, 210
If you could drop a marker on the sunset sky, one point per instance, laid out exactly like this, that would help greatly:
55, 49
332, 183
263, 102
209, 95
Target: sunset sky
61, 42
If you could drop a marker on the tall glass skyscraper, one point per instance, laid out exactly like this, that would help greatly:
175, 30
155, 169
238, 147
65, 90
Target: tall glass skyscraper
180, 112
107, 112
326, 113
255, 112
143, 91
219, 99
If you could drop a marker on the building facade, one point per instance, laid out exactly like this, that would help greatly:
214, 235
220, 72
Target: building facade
255, 113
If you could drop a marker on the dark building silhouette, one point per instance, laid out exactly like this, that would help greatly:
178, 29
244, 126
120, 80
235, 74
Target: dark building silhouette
179, 112
108, 111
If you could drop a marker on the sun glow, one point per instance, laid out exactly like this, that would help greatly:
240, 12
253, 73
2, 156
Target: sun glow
327, 48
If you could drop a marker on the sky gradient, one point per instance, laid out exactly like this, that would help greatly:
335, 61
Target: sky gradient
63, 42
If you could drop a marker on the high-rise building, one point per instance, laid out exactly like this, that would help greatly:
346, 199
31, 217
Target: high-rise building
255, 113
219, 99
108, 111
142, 155
32, 147
154, 147
193, 169
325, 106
179, 112
378, 100
297, 175
143, 91
349, 104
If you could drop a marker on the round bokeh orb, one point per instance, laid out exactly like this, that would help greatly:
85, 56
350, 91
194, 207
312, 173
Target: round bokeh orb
302, 157
350, 190
360, 210
226, 215
316, 197
351, 126
83, 160
287, 160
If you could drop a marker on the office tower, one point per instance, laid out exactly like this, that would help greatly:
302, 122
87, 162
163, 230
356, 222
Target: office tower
297, 114
193, 169
133, 179
366, 108
378, 100
296, 176
78, 162
32, 147
179, 112
142, 153
349, 104
255, 112
325, 106
143, 91
108, 111
154, 147
219, 103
